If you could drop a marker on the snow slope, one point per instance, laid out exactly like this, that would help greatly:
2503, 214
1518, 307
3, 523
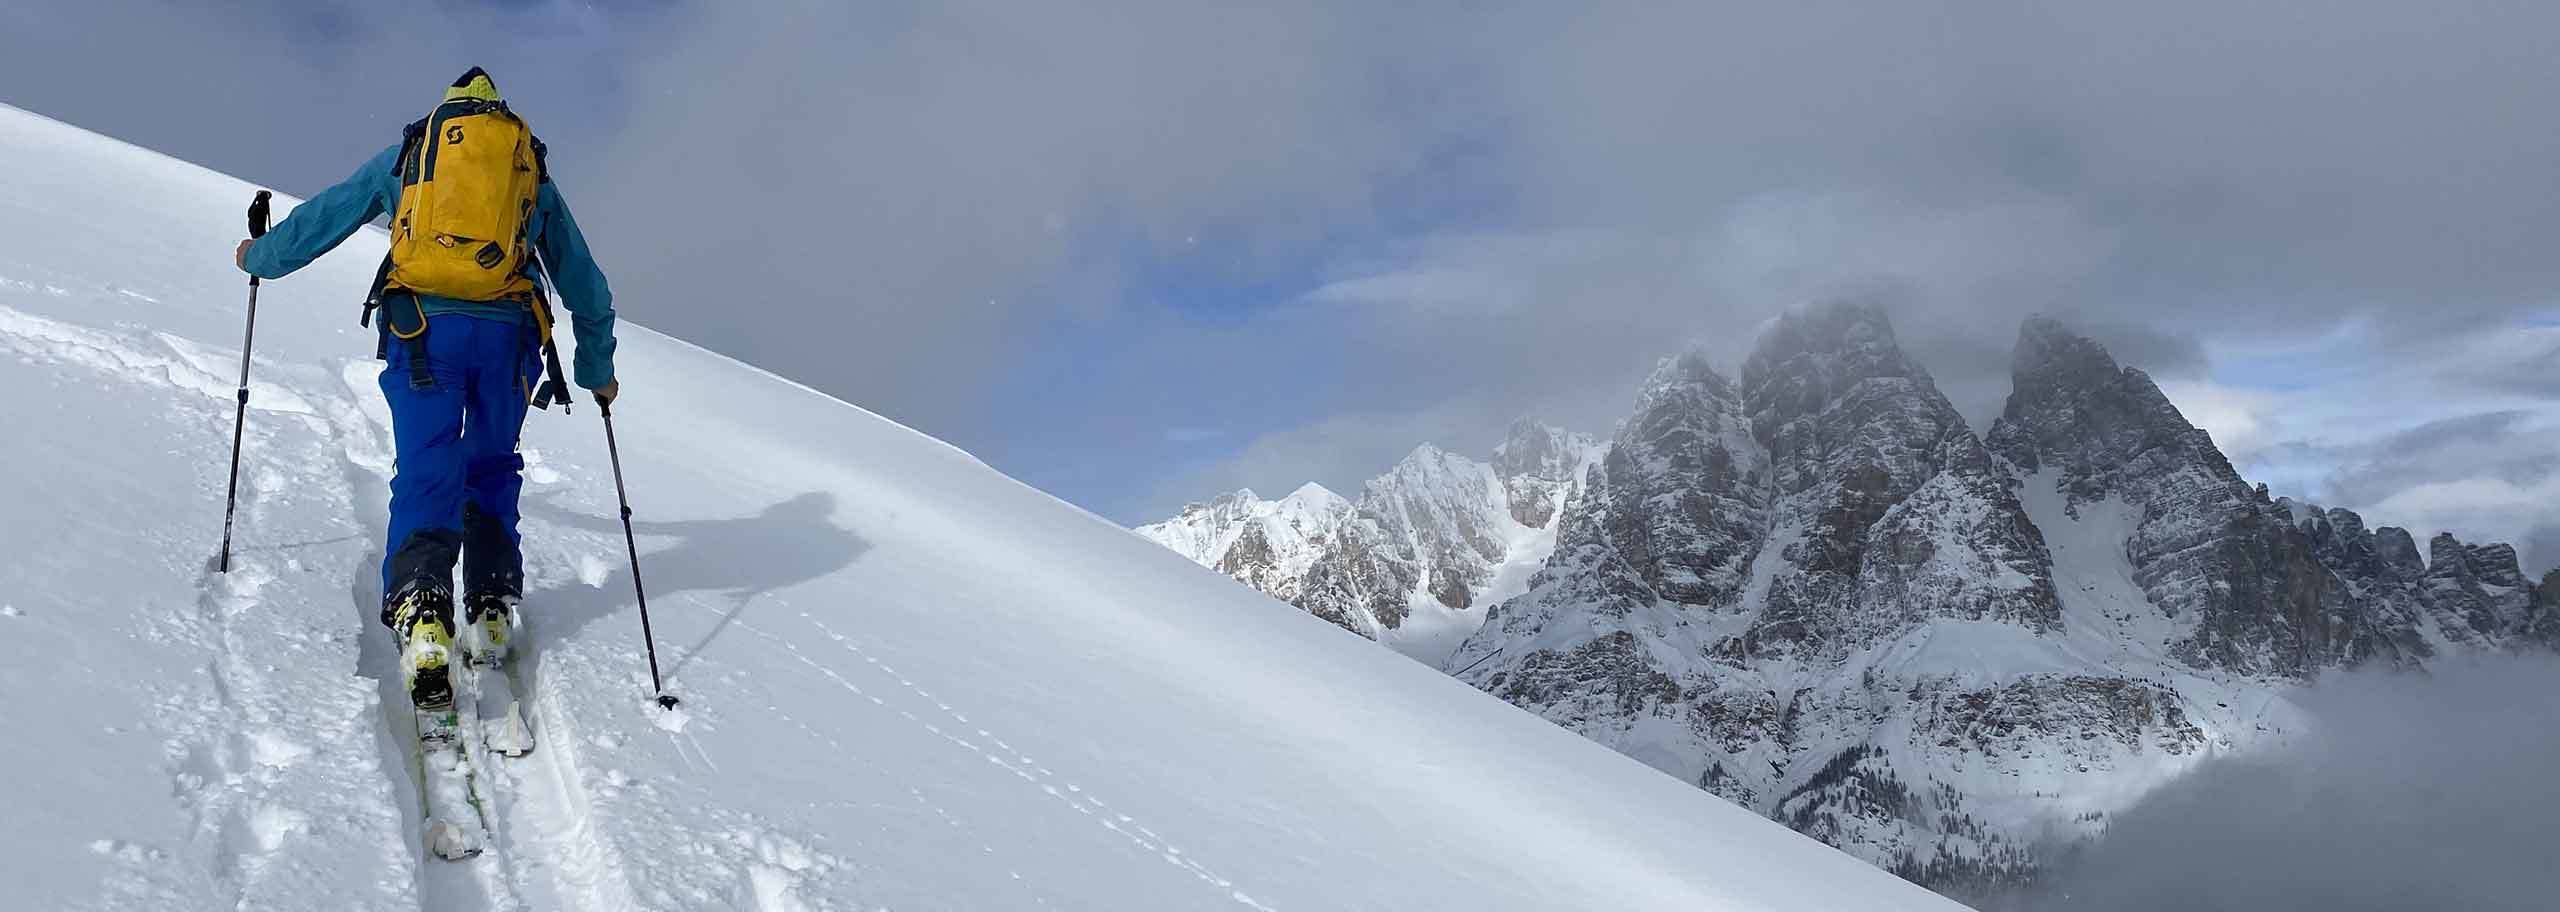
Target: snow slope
910, 682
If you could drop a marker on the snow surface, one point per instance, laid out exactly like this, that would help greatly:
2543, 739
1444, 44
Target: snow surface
910, 682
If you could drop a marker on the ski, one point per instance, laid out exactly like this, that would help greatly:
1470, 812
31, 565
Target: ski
456, 827
501, 712
456, 741
496, 697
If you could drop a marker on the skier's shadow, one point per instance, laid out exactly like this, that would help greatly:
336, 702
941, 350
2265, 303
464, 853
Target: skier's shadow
731, 560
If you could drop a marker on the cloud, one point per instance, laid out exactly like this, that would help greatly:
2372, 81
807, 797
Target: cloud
1508, 207
1339, 452
295, 95
916, 191
2419, 433
2176, 193
2410, 791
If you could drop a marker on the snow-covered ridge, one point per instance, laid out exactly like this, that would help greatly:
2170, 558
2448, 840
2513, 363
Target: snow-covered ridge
1414, 561
910, 681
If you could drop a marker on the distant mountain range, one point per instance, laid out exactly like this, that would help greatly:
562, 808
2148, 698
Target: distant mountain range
1416, 559
1818, 593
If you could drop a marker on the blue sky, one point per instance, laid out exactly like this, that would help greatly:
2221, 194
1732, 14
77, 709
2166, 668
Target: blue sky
1142, 252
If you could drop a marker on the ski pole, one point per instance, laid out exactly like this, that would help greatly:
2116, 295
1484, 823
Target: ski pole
648, 638
240, 416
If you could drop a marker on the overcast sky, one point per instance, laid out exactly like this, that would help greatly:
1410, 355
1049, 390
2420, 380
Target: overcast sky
1138, 253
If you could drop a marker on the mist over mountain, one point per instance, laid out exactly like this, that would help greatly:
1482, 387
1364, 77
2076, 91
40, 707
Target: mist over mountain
2403, 791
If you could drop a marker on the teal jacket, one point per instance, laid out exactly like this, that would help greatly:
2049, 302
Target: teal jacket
324, 221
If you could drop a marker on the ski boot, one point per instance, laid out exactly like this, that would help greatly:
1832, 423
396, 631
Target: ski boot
488, 625
421, 618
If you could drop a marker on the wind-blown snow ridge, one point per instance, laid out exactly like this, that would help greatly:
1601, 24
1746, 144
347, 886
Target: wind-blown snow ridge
910, 682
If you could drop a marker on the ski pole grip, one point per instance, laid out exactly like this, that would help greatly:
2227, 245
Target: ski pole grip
258, 216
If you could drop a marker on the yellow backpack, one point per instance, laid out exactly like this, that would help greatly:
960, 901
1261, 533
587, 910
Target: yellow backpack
467, 185
470, 172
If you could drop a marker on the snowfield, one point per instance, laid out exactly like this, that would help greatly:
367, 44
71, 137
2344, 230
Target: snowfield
910, 682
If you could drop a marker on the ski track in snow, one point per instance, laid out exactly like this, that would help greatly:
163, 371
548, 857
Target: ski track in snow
1028, 770
998, 753
489, 881
252, 732
259, 735
547, 845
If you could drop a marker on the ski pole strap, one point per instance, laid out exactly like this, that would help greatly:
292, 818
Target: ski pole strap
554, 388
373, 295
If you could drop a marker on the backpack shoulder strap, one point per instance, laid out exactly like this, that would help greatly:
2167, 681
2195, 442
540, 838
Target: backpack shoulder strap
541, 161
409, 138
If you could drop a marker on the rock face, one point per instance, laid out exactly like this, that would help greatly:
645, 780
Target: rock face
1537, 463
1266, 544
2476, 592
1817, 593
2545, 628
1414, 560
1888, 510
2208, 544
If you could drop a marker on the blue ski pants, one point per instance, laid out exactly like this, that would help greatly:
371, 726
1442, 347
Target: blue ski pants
457, 475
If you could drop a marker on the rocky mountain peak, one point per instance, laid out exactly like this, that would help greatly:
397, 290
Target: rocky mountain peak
2478, 591
2208, 546
1879, 479
1832, 396
2447, 558
2049, 354
1227, 501
1853, 337
1539, 463
1685, 494
1313, 498
1204, 529
1426, 461
2398, 551
1532, 447
2071, 405
1409, 562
